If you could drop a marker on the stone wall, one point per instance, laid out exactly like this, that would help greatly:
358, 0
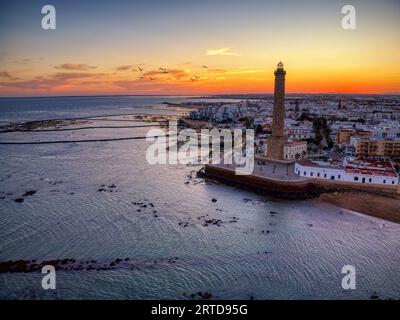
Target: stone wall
294, 189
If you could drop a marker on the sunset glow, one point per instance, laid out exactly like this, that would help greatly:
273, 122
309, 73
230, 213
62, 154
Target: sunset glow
197, 48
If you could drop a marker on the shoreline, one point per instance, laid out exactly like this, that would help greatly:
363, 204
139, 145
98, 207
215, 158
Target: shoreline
364, 202
384, 206
378, 206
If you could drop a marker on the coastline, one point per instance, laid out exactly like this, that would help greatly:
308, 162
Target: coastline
369, 203
383, 207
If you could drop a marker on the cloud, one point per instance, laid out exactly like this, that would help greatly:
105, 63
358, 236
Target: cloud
23, 61
234, 71
176, 73
222, 52
75, 67
7, 75
51, 81
124, 67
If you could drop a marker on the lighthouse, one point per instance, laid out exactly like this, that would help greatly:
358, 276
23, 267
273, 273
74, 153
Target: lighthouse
278, 125
275, 144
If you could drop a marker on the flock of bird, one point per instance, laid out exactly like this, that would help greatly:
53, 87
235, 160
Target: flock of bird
195, 77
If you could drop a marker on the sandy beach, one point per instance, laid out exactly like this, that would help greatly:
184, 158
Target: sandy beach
387, 208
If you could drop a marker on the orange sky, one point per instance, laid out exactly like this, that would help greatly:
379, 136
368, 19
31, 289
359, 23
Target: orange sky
200, 49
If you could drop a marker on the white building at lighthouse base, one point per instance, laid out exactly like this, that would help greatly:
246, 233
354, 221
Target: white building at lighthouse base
375, 172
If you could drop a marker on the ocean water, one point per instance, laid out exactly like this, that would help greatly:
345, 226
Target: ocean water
43, 108
297, 253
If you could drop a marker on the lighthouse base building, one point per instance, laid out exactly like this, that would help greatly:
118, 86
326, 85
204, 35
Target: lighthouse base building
352, 171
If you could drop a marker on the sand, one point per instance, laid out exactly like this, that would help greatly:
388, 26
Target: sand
387, 208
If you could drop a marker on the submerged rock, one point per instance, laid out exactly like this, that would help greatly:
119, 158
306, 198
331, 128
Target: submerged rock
374, 296
29, 193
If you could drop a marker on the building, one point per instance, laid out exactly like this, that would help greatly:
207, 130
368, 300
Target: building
388, 131
294, 150
278, 147
377, 148
300, 132
343, 136
352, 171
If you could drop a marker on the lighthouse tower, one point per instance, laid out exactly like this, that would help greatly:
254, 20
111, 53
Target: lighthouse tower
276, 143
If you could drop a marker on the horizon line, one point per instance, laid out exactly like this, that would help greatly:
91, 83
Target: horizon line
202, 95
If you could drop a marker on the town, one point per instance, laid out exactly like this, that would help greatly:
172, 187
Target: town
349, 138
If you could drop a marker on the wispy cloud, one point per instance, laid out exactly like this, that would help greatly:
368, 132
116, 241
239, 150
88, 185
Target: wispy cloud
222, 52
23, 61
51, 81
75, 67
176, 73
124, 67
7, 75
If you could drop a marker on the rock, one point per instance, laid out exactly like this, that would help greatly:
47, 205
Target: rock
29, 193
374, 296
19, 200
204, 295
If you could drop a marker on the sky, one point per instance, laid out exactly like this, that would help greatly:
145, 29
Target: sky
198, 47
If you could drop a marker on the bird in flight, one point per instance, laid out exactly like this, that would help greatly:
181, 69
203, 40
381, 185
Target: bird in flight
195, 78
163, 70
140, 69
205, 67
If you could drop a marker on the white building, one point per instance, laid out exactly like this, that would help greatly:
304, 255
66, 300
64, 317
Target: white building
294, 150
355, 171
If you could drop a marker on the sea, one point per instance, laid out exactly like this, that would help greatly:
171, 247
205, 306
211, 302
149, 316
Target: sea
177, 234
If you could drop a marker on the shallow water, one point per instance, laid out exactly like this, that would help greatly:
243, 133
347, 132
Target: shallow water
301, 257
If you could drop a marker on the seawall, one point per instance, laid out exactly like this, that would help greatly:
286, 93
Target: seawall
296, 189
290, 189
